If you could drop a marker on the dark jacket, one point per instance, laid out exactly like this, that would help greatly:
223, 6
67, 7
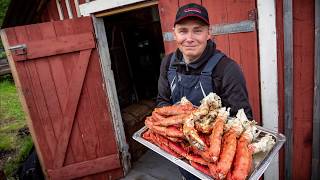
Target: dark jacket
227, 77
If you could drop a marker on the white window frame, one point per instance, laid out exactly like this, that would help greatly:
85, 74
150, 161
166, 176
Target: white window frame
100, 5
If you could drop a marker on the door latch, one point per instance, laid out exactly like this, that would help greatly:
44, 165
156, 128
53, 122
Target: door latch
20, 49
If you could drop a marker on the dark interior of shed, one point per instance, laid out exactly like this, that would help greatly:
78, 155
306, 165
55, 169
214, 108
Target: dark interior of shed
136, 49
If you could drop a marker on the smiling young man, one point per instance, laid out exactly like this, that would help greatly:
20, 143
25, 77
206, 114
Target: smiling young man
197, 68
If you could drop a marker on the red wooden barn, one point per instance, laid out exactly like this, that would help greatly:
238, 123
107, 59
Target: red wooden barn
80, 68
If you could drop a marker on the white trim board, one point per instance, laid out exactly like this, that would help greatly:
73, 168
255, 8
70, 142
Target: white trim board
100, 5
268, 74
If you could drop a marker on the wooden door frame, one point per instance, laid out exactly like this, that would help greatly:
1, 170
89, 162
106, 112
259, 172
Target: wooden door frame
268, 74
104, 53
267, 58
111, 92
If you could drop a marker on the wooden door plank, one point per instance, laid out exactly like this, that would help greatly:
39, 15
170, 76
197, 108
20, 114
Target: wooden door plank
58, 45
88, 130
74, 91
244, 49
101, 119
217, 11
303, 86
23, 86
76, 144
86, 168
80, 27
59, 80
46, 81
38, 95
249, 60
167, 12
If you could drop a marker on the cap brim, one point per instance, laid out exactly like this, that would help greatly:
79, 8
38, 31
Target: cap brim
191, 15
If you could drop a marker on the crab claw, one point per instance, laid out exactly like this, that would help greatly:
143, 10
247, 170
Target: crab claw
192, 136
263, 145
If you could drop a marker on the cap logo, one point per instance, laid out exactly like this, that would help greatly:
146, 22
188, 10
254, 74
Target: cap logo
192, 10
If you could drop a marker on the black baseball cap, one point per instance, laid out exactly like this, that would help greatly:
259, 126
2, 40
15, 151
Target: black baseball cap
192, 10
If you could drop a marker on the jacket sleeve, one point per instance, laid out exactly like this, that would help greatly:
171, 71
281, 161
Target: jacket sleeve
233, 91
164, 94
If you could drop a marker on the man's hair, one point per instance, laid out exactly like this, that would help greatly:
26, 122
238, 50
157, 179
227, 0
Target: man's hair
200, 22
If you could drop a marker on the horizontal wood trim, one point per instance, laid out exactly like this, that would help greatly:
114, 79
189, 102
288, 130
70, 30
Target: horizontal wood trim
60, 45
101, 5
86, 168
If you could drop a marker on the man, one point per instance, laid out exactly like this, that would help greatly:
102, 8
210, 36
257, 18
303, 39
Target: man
197, 67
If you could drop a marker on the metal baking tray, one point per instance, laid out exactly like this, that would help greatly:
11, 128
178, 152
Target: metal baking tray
261, 160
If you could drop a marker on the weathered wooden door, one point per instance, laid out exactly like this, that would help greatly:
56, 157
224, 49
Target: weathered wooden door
57, 73
233, 21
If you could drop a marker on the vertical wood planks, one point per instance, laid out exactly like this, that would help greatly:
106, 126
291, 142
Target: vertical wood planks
218, 14
23, 86
69, 114
40, 102
242, 47
167, 12
66, 62
303, 63
184, 2
316, 100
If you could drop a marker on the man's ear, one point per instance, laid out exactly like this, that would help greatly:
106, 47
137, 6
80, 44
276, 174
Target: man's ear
209, 33
209, 36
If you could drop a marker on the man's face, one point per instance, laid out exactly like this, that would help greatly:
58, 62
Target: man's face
191, 36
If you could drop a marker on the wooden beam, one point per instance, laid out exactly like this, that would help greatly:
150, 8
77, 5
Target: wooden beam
288, 86
127, 8
111, 93
86, 168
59, 10
316, 100
69, 9
60, 45
76, 4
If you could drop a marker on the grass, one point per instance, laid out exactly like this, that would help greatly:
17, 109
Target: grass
10, 107
24, 145
12, 119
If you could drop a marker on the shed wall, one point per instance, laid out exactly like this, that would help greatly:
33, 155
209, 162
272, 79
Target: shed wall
303, 85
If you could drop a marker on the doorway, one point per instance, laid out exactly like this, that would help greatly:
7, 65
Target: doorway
136, 49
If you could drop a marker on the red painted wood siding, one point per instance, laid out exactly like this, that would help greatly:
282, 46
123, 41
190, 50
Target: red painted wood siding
303, 66
64, 95
303, 84
242, 47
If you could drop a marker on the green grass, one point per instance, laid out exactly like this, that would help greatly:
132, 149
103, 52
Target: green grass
24, 145
12, 119
10, 107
